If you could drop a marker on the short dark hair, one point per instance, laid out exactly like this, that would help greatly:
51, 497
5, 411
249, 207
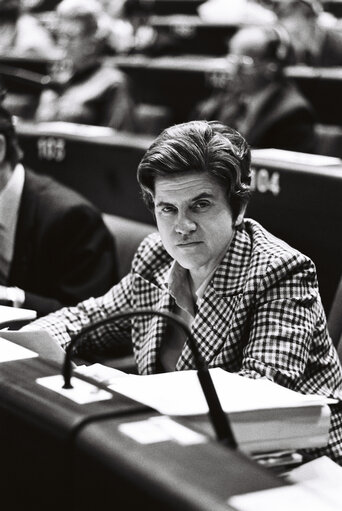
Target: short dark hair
13, 152
200, 146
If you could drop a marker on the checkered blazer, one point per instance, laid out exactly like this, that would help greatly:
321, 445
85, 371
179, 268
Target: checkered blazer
260, 315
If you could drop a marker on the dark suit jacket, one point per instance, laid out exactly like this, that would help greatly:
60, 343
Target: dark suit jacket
283, 119
63, 252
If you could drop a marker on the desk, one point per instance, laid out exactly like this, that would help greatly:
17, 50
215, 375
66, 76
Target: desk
97, 162
178, 82
30, 63
193, 35
181, 81
163, 7
57, 454
37, 430
166, 475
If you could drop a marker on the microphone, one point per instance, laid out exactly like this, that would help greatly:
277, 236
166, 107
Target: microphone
218, 417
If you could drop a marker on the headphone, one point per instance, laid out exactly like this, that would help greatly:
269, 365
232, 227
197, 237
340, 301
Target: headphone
280, 46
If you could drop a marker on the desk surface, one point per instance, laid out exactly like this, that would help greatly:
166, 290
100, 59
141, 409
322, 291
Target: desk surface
168, 475
79, 467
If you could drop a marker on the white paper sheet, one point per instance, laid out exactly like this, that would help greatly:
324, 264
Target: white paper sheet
180, 393
10, 351
81, 393
161, 429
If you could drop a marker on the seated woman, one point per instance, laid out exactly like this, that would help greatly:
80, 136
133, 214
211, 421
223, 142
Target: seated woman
86, 90
267, 109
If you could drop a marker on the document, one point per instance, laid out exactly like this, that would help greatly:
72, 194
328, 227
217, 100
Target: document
39, 341
180, 393
264, 416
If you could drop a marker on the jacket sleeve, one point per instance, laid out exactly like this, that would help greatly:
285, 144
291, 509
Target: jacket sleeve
67, 322
287, 325
80, 261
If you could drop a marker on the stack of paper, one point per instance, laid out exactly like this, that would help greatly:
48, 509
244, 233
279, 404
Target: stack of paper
264, 416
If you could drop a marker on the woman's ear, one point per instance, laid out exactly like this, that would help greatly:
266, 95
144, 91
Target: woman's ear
240, 217
3, 147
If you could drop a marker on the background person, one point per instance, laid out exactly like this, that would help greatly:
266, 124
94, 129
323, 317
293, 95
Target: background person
259, 100
21, 33
314, 43
251, 300
86, 90
54, 247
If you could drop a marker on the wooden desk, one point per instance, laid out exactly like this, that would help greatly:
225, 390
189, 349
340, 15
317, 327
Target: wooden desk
57, 454
193, 35
181, 81
97, 162
37, 430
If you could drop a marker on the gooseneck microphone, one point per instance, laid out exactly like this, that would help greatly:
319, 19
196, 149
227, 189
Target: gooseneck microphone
218, 417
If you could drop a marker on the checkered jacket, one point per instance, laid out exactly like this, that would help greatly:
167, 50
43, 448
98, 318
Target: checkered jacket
260, 315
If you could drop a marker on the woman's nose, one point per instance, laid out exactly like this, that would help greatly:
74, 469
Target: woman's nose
185, 225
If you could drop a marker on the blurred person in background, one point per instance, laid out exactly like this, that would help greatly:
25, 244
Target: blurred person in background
22, 33
54, 247
315, 41
86, 89
258, 101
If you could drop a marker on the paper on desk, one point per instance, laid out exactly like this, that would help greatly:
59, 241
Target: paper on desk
101, 373
10, 351
322, 476
81, 392
161, 429
179, 393
8, 314
285, 498
39, 341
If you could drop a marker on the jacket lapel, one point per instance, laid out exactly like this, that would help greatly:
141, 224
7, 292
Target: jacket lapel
149, 340
211, 327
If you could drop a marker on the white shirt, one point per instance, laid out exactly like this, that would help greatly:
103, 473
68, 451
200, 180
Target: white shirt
10, 198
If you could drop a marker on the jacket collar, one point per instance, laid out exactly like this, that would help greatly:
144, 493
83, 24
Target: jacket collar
230, 274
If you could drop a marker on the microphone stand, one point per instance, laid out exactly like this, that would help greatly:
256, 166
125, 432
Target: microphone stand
218, 417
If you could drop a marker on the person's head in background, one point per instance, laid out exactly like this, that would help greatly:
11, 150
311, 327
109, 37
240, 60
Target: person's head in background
300, 20
79, 32
257, 56
10, 152
9, 13
196, 179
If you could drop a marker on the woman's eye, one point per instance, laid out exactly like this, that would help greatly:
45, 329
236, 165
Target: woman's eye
167, 209
201, 204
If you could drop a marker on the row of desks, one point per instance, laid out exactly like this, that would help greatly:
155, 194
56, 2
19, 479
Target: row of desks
57, 454
179, 82
296, 197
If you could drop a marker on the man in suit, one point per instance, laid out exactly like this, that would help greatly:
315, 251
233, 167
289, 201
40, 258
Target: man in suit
54, 247
314, 42
259, 101
251, 301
